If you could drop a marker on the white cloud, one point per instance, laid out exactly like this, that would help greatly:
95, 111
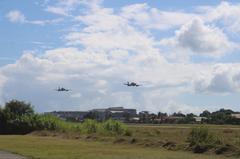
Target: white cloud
201, 39
16, 16
57, 10
107, 31
45, 22
226, 13
173, 106
153, 18
220, 79
67, 7
76, 95
2, 95
95, 80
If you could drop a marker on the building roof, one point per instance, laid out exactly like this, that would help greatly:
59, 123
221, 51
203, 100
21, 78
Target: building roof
236, 115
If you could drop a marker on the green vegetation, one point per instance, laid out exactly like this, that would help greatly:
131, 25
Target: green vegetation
222, 116
201, 139
18, 117
114, 127
58, 148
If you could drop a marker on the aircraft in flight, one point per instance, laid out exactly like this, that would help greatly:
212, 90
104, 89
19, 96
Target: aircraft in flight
132, 84
62, 89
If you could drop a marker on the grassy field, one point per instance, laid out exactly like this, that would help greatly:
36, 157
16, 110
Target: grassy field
229, 134
57, 148
146, 142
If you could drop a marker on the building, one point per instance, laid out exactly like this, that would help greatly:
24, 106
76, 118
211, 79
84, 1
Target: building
70, 115
144, 117
116, 113
99, 114
236, 115
199, 119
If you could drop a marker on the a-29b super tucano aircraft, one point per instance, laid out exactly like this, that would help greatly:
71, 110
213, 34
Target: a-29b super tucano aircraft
62, 89
132, 84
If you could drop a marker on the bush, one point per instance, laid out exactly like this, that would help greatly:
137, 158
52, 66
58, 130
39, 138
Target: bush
114, 127
90, 126
3, 121
27, 123
18, 108
200, 139
17, 117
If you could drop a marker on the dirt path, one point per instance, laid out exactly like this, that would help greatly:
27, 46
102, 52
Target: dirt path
7, 155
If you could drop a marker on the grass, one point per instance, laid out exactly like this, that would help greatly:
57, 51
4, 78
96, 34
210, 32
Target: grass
228, 134
57, 148
145, 141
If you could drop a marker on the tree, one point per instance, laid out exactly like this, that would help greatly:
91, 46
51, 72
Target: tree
178, 114
221, 116
3, 121
2, 117
18, 108
161, 115
206, 114
189, 118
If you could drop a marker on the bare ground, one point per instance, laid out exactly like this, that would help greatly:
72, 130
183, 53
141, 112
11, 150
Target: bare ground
7, 155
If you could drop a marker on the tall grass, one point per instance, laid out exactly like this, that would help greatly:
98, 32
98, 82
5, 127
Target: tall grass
200, 139
29, 123
109, 127
90, 126
114, 127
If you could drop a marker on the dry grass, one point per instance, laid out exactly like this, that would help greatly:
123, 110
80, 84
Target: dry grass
147, 141
56, 148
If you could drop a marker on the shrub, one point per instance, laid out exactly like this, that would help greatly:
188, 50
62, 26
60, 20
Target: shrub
47, 122
90, 126
18, 108
128, 132
200, 139
17, 117
3, 122
28, 123
114, 127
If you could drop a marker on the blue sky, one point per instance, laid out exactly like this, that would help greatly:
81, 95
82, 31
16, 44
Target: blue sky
185, 54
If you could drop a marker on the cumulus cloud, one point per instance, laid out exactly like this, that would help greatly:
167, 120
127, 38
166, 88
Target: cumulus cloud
220, 79
57, 10
66, 7
226, 13
107, 31
2, 82
96, 80
153, 18
16, 16
202, 39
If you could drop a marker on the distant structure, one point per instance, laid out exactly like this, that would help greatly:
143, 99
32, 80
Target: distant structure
116, 113
70, 115
199, 119
236, 115
130, 116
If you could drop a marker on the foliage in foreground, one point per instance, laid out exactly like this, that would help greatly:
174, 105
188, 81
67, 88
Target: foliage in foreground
59, 148
18, 117
200, 139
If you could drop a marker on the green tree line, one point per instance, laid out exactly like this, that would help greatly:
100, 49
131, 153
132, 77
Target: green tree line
18, 117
